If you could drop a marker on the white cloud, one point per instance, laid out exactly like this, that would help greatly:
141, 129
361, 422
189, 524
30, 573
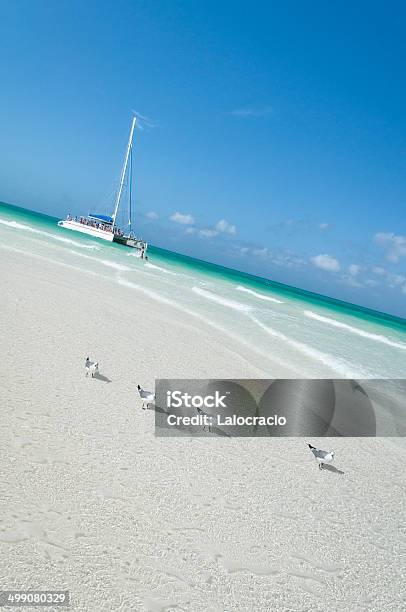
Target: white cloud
252, 112
288, 259
208, 233
241, 250
225, 227
244, 250
354, 269
152, 215
391, 280
190, 230
143, 122
351, 281
395, 244
326, 262
378, 270
261, 252
323, 226
183, 219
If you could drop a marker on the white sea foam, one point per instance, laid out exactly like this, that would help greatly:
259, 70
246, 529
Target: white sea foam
28, 228
114, 265
151, 266
355, 330
221, 300
334, 363
152, 294
155, 267
260, 296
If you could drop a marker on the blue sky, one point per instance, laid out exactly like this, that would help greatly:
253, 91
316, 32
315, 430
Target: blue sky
276, 134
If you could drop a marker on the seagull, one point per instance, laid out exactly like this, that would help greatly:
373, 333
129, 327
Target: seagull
147, 397
322, 456
91, 367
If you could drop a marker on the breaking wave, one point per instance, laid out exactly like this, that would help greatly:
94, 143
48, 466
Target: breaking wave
260, 296
155, 267
334, 363
355, 330
221, 300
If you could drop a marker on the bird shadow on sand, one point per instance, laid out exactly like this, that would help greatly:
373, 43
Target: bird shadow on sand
102, 378
331, 468
152, 406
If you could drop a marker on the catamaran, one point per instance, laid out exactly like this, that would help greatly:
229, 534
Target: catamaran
105, 227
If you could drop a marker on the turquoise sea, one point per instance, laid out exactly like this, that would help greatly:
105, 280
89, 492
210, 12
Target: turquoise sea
309, 333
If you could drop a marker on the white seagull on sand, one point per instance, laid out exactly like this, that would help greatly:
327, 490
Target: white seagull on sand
322, 456
91, 367
147, 397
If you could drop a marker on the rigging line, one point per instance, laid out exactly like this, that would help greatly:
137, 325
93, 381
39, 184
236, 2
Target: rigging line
130, 186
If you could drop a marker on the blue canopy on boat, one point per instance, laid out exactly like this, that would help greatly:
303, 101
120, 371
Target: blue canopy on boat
104, 218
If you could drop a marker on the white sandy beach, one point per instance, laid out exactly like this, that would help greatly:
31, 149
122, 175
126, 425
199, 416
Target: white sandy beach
91, 501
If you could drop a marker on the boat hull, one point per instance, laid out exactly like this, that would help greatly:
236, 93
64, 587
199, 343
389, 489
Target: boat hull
87, 229
133, 243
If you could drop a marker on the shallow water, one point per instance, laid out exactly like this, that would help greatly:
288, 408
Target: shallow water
310, 334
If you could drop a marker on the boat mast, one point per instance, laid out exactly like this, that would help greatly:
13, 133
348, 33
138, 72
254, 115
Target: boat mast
123, 171
130, 190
